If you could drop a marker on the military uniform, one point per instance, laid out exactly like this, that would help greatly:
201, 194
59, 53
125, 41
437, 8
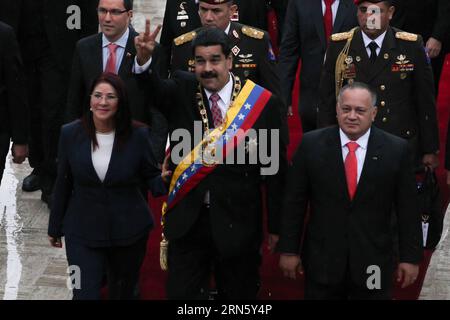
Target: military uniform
180, 17
253, 57
401, 77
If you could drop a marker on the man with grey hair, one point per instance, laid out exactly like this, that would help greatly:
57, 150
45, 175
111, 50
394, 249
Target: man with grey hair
351, 176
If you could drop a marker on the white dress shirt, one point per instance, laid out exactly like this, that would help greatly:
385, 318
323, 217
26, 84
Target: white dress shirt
120, 51
334, 8
101, 156
360, 152
378, 41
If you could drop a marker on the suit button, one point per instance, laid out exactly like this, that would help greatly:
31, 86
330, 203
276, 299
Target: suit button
408, 133
231, 225
382, 87
382, 103
384, 119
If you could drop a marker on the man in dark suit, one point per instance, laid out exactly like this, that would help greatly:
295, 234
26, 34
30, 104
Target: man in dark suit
114, 45
351, 176
394, 63
213, 218
305, 38
14, 113
47, 31
431, 20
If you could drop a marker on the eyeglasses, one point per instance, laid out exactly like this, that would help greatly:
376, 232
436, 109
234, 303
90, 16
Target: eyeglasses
113, 12
99, 97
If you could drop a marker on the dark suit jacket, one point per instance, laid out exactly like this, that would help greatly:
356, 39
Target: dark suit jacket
14, 113
304, 38
112, 212
61, 39
350, 234
88, 64
235, 194
405, 99
429, 18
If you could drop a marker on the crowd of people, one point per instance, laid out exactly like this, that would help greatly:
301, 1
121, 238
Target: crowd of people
92, 111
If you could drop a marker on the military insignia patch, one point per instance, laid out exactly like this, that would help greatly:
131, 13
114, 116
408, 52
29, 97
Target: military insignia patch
235, 50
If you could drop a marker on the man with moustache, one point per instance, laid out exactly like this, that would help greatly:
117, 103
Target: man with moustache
253, 57
213, 216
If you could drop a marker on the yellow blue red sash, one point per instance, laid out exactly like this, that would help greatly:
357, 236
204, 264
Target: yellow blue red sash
242, 115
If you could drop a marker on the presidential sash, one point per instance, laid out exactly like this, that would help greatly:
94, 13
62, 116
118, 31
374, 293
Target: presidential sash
240, 117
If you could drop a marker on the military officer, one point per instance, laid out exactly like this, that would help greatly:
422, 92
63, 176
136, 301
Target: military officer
180, 16
396, 65
253, 56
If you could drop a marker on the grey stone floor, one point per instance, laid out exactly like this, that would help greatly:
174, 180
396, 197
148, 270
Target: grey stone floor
31, 269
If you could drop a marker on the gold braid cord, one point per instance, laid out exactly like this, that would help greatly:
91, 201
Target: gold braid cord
164, 244
340, 63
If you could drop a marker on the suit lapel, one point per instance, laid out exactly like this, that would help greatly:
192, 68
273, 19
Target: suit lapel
128, 55
97, 54
387, 50
317, 17
111, 164
333, 159
371, 164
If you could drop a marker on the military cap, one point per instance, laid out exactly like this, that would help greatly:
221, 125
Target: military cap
358, 2
216, 1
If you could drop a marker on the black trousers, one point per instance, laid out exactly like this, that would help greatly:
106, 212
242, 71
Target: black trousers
4, 148
47, 89
348, 289
120, 264
193, 259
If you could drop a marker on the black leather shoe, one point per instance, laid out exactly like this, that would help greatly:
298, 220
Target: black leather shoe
31, 183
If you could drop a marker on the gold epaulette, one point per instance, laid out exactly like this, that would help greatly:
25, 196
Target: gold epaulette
406, 36
187, 37
341, 36
252, 32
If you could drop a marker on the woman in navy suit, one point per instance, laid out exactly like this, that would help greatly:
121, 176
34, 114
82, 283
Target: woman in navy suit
104, 159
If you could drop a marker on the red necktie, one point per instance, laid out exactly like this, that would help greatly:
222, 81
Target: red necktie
328, 19
215, 110
351, 168
111, 63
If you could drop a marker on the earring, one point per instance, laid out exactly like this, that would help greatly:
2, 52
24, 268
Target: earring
90, 108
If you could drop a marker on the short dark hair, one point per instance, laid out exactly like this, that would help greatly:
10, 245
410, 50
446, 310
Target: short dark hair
359, 85
212, 36
122, 118
128, 4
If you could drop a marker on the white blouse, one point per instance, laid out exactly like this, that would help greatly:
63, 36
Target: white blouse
101, 156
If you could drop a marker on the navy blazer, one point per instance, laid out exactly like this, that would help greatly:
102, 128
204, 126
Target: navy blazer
112, 212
